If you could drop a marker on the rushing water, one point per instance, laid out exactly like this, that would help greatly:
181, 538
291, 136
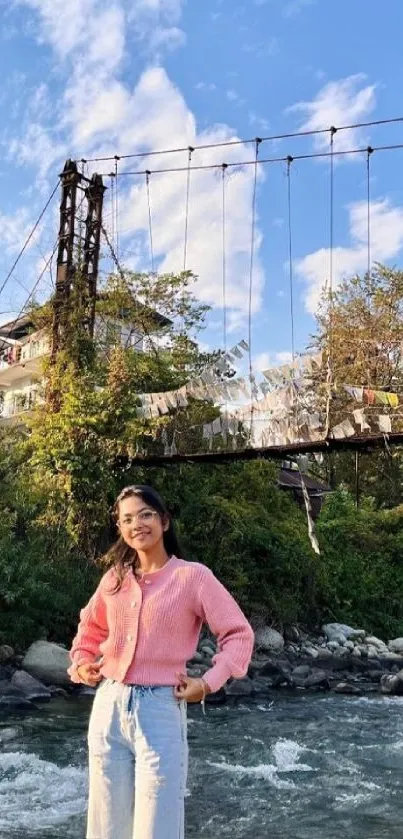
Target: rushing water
302, 767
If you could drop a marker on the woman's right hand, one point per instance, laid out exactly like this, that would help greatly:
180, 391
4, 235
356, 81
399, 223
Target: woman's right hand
89, 673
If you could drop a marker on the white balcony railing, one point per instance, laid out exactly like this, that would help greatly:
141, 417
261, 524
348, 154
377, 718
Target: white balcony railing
33, 347
19, 403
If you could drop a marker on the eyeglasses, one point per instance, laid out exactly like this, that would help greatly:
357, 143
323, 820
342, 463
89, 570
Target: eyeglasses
144, 517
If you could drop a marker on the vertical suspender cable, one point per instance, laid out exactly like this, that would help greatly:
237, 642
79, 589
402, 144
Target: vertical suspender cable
290, 265
117, 205
369, 152
150, 225
252, 254
224, 258
329, 376
185, 246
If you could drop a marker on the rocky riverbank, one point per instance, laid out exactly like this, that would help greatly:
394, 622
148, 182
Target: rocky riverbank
343, 659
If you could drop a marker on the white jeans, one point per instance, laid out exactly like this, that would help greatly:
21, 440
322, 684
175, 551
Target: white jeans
138, 761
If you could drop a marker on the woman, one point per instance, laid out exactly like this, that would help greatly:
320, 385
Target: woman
135, 636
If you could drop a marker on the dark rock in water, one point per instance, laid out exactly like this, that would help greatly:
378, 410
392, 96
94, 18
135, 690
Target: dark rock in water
85, 692
12, 697
56, 691
262, 685
317, 679
301, 672
217, 698
6, 671
391, 685
276, 672
30, 687
6, 654
7, 689
239, 687
13, 702
9, 734
374, 675
347, 688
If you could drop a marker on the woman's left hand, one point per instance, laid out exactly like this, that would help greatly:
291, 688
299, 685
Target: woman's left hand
190, 689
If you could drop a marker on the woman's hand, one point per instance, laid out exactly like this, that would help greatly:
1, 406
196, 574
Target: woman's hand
192, 690
89, 674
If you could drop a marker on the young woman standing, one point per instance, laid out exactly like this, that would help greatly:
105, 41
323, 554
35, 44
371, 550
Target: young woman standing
135, 636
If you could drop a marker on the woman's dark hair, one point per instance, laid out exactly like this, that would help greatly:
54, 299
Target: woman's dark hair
121, 555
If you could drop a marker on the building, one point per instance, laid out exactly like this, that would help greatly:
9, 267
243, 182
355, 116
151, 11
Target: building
23, 349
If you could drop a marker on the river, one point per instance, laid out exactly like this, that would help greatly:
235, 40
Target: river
289, 767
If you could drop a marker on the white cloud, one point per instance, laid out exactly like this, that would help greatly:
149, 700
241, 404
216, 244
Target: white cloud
100, 114
264, 360
14, 229
386, 243
156, 93
343, 102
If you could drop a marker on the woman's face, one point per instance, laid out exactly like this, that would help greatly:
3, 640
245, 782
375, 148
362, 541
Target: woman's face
141, 527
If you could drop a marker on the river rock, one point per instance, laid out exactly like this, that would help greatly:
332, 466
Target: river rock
292, 634
301, 672
11, 697
198, 658
317, 679
373, 641
33, 690
239, 687
396, 646
348, 688
311, 652
262, 685
48, 662
6, 653
208, 650
341, 632
269, 640
9, 734
391, 685
324, 654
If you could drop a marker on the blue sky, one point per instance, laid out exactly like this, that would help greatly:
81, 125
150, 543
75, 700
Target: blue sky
92, 78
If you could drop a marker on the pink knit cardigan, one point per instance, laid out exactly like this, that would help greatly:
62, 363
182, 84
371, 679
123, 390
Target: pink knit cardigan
149, 630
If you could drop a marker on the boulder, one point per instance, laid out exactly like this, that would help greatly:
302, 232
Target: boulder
391, 685
317, 679
47, 662
6, 654
373, 641
30, 687
269, 640
396, 646
301, 672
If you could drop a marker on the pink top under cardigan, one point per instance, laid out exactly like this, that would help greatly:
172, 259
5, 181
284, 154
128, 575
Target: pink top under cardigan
149, 630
